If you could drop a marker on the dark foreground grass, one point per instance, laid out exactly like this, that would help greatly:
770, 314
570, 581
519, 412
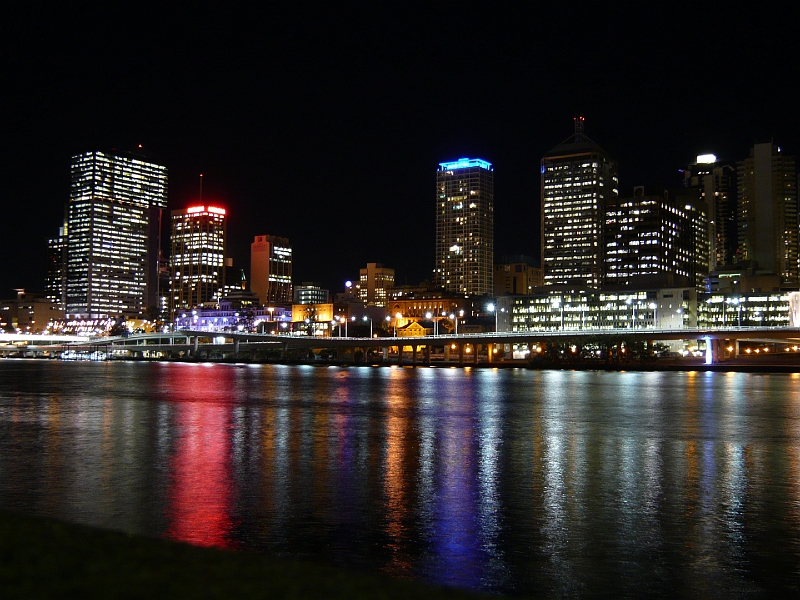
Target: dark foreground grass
40, 558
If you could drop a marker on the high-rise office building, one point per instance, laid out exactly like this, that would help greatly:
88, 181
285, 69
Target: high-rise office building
374, 282
578, 177
465, 226
655, 240
271, 269
55, 281
715, 183
113, 234
197, 262
768, 211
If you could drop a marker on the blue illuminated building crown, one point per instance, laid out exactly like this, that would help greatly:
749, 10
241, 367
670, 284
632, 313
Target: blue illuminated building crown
464, 163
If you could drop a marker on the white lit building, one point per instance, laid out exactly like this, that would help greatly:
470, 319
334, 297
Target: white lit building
662, 309
577, 178
655, 240
465, 226
197, 259
113, 235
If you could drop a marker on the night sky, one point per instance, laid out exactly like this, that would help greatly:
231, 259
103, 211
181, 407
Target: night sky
326, 125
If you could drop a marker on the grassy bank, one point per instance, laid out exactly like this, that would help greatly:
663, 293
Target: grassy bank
41, 558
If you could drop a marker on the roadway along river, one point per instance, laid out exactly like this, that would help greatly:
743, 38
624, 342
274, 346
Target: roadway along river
554, 483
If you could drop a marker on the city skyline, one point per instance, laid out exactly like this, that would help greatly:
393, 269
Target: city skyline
289, 121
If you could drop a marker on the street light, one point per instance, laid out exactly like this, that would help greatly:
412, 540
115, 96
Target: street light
558, 304
493, 309
365, 318
630, 303
738, 303
654, 308
389, 320
429, 316
455, 320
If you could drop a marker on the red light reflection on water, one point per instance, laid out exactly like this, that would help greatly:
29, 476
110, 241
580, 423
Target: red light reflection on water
200, 494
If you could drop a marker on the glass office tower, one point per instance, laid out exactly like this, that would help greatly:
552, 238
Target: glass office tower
198, 256
465, 226
578, 177
113, 235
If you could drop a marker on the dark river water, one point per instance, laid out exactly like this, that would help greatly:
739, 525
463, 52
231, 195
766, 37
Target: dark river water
549, 483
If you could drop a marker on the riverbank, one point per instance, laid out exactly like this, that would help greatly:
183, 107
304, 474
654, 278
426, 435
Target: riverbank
42, 558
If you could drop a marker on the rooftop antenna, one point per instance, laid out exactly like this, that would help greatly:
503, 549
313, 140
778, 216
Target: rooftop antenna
201, 186
579, 120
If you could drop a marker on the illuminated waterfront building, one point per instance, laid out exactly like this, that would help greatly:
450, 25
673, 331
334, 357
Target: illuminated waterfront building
554, 310
113, 235
655, 240
197, 260
271, 269
375, 281
768, 211
465, 226
715, 183
578, 177
663, 309
226, 316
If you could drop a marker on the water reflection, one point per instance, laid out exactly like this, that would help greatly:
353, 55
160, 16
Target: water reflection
549, 483
200, 495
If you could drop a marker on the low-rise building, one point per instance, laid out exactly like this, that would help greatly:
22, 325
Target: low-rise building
674, 308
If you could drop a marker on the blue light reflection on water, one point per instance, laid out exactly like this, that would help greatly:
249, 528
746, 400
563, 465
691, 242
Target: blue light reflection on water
555, 483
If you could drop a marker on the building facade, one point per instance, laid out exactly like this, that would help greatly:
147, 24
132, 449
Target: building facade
310, 293
655, 240
56, 280
516, 275
465, 226
375, 281
271, 269
29, 313
662, 309
197, 263
113, 235
768, 211
578, 178
715, 182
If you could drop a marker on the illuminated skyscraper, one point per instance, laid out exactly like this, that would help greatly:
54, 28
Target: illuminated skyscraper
113, 235
198, 256
271, 269
655, 240
768, 211
715, 183
465, 226
578, 177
